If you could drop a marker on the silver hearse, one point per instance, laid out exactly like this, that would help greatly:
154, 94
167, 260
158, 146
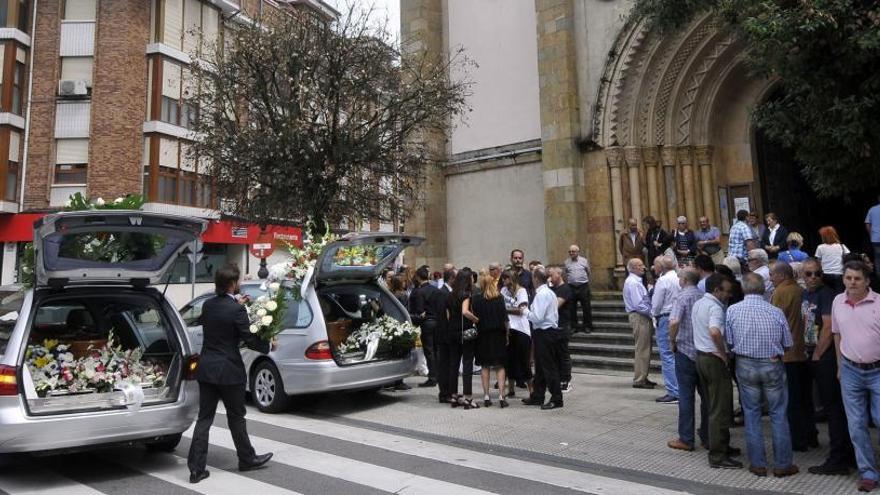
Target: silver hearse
95, 273
334, 299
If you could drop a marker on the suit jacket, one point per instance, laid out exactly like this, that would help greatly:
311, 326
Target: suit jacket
630, 249
660, 236
225, 324
779, 240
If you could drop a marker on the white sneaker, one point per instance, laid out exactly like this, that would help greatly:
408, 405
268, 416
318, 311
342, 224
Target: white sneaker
566, 387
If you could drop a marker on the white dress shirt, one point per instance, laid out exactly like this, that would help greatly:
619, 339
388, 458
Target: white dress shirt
544, 312
665, 291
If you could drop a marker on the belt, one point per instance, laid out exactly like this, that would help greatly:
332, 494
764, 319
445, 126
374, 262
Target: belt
863, 366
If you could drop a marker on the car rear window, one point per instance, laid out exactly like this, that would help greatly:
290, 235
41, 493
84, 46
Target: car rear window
10, 306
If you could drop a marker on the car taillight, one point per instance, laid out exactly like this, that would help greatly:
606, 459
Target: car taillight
319, 351
191, 365
8, 381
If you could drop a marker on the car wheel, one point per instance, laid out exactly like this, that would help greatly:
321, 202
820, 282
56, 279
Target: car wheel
164, 444
267, 389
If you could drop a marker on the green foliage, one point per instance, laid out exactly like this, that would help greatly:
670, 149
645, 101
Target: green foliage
26, 272
78, 202
306, 120
825, 54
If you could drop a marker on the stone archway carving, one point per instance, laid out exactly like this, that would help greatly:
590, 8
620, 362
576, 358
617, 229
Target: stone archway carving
663, 116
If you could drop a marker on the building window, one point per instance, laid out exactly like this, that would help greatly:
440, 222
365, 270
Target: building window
167, 185
23, 16
70, 173
71, 161
17, 83
177, 87
189, 25
79, 10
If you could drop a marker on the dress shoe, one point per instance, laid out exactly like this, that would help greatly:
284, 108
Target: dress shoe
196, 476
532, 402
644, 385
254, 463
789, 471
502, 404
678, 444
666, 399
726, 464
551, 405
651, 382
401, 386
734, 452
758, 471
866, 485
829, 470
430, 382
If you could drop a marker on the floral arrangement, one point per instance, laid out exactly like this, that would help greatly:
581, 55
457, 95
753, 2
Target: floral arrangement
301, 260
396, 338
357, 256
78, 202
54, 368
266, 313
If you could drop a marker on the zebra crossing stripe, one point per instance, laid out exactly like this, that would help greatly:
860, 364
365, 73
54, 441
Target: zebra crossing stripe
561, 477
42, 482
173, 469
351, 470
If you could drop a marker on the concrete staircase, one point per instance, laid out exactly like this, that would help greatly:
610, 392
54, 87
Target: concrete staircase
609, 348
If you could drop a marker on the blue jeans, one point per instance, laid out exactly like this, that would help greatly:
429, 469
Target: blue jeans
688, 387
667, 358
755, 376
860, 388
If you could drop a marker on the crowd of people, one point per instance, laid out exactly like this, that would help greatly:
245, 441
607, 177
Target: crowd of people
513, 320
769, 320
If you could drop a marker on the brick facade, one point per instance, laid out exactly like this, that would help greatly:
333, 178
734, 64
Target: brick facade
119, 99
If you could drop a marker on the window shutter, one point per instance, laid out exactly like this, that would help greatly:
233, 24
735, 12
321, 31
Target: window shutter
187, 163
72, 120
14, 146
168, 152
77, 39
72, 151
210, 29
171, 80
173, 32
79, 10
192, 23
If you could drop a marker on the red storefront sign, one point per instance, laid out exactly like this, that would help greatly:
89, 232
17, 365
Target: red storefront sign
19, 227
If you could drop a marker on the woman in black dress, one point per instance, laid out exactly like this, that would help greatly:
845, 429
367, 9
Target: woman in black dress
492, 326
460, 318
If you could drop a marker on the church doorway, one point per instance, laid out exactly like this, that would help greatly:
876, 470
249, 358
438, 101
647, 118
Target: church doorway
784, 191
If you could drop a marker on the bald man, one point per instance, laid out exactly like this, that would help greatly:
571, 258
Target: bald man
577, 275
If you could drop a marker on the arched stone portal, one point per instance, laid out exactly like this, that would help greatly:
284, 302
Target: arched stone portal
672, 120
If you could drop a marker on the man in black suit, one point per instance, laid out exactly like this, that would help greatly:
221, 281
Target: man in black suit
425, 316
221, 374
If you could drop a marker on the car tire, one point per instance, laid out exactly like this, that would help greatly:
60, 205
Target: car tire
267, 388
164, 444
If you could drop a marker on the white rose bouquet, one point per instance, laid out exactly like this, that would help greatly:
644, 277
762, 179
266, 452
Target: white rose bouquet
266, 313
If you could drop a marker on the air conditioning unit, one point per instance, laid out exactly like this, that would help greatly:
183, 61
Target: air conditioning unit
71, 87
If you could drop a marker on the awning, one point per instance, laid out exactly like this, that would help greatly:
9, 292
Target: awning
19, 227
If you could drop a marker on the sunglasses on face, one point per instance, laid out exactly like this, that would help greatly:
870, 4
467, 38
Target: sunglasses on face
812, 274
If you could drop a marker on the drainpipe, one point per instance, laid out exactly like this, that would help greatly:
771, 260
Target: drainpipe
27, 115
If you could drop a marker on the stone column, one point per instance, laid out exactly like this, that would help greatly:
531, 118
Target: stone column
564, 211
703, 155
633, 161
615, 162
651, 157
421, 26
667, 154
687, 177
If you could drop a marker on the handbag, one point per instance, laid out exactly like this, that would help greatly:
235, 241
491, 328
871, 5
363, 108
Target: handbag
467, 334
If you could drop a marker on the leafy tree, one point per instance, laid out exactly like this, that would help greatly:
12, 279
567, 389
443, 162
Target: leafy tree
303, 119
826, 54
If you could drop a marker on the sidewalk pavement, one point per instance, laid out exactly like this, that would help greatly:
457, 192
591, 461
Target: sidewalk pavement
605, 423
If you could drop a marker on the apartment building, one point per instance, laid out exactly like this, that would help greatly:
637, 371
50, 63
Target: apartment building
93, 99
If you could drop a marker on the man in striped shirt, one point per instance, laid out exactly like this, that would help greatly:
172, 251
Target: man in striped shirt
758, 334
739, 234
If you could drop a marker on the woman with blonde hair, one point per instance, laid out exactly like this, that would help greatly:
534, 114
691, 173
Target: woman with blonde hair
830, 253
492, 327
794, 254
